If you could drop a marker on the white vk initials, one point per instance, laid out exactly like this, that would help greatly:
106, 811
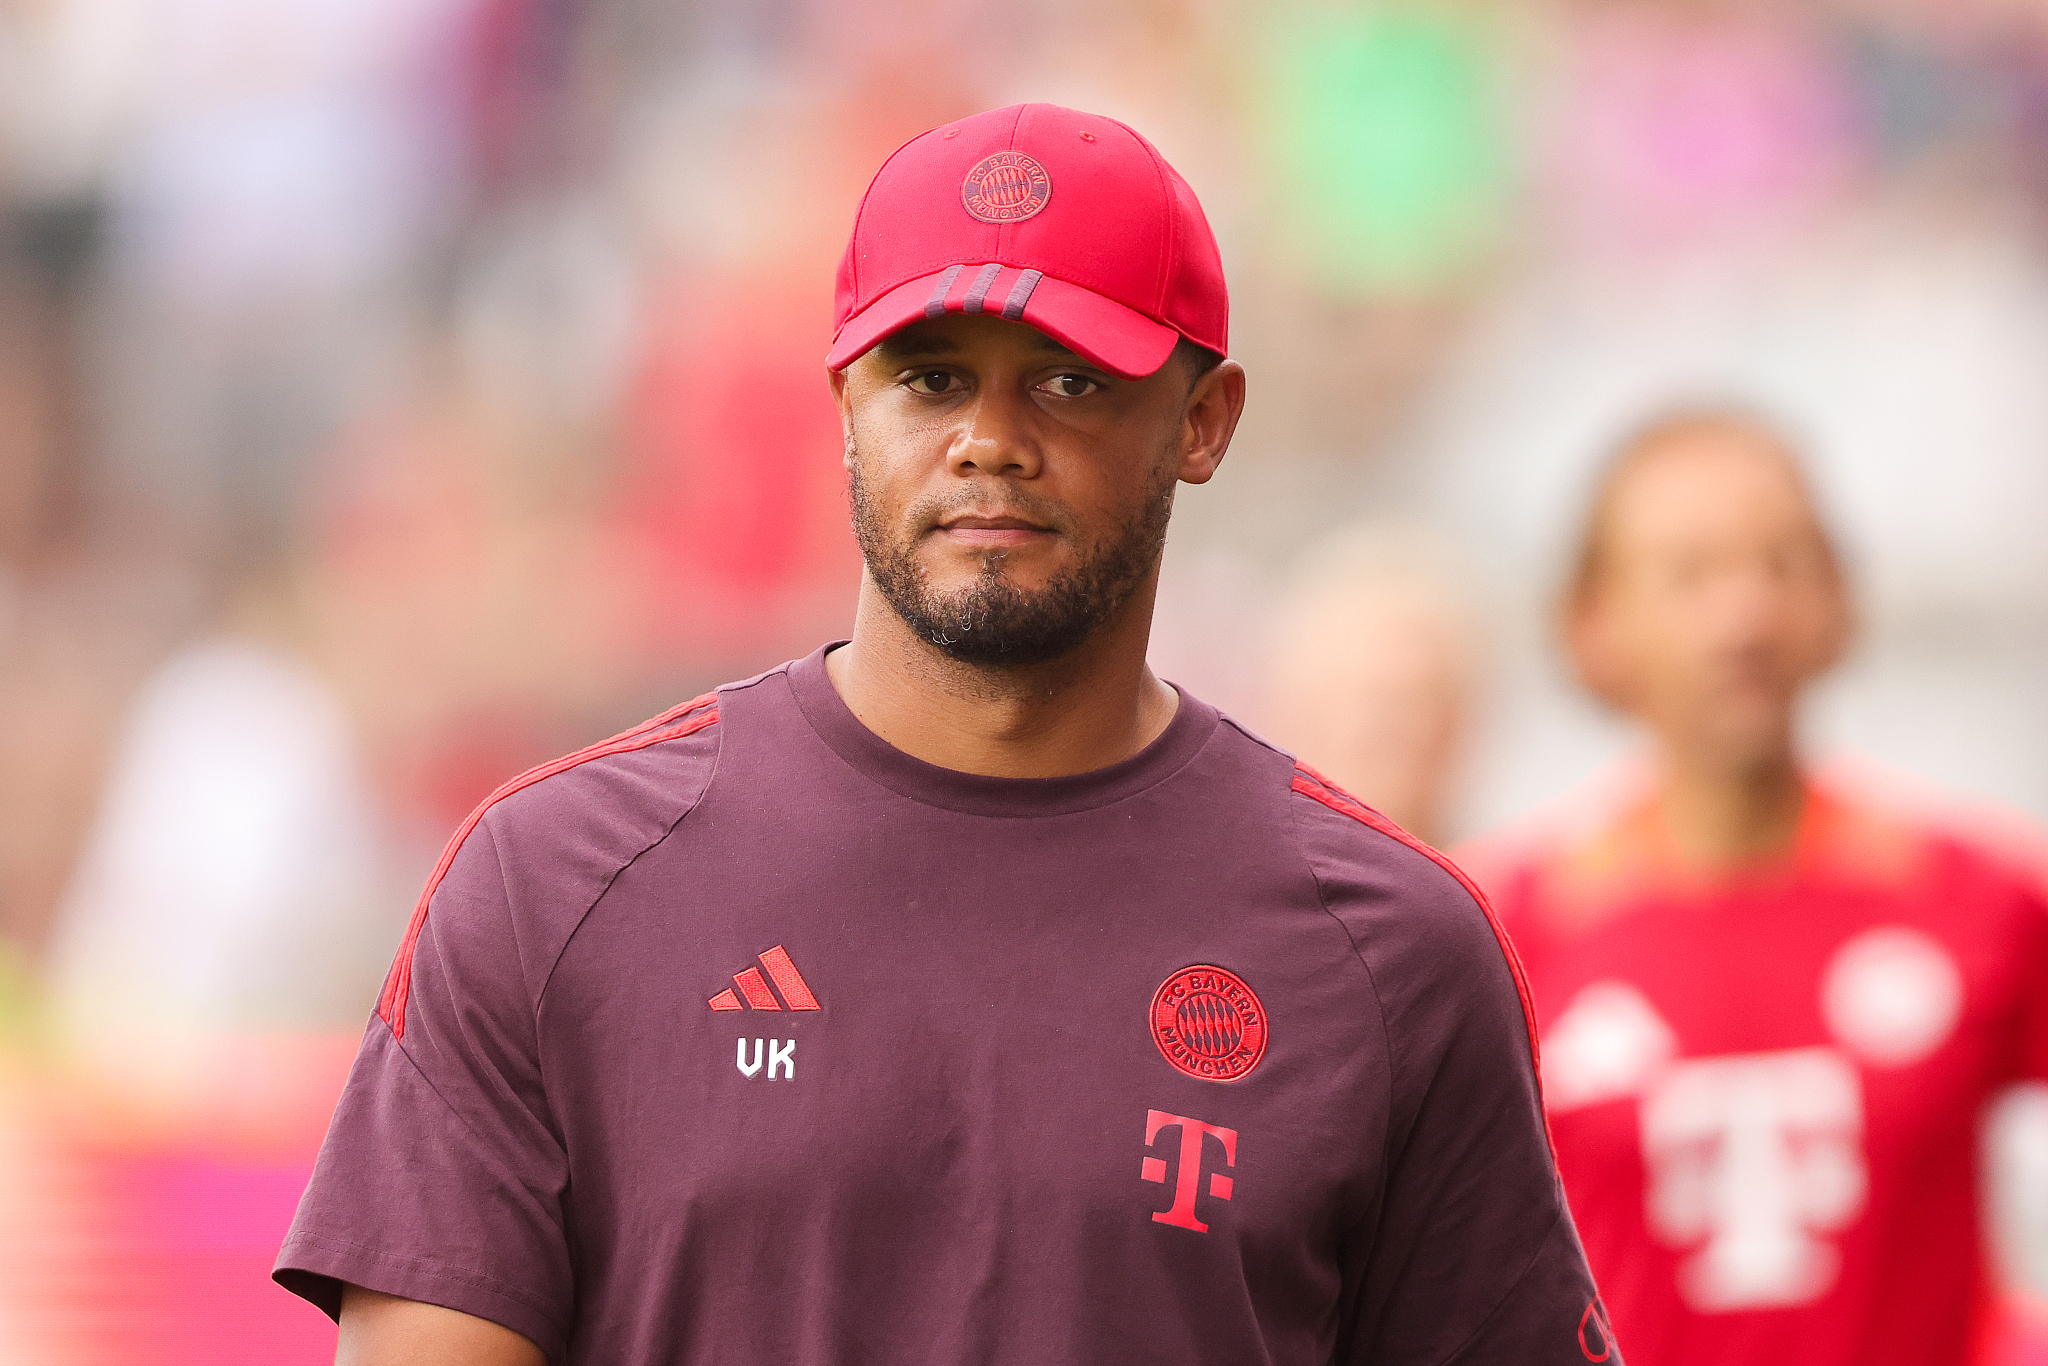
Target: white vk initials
781, 1054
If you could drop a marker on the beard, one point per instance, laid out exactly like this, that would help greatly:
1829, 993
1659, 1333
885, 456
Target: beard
992, 621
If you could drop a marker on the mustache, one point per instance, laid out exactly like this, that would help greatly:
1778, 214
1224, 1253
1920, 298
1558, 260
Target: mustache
928, 512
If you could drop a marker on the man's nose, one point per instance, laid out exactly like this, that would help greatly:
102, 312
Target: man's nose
1747, 611
997, 437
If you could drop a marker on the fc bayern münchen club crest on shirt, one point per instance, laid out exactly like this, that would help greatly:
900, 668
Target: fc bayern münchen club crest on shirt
1008, 187
1209, 1023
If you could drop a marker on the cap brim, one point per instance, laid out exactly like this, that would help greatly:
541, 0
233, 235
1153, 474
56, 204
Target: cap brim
1101, 331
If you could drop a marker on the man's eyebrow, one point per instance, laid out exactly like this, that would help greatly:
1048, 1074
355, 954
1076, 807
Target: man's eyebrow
1046, 343
913, 342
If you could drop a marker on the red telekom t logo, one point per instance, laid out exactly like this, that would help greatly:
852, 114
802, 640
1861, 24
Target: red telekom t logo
1188, 1178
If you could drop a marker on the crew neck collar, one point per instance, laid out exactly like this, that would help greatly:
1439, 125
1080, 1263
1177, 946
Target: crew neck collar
978, 793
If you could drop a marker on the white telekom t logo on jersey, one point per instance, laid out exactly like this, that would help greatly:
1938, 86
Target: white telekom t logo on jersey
1754, 1159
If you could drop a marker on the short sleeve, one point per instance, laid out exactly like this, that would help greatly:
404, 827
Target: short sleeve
1469, 1255
443, 1176
1472, 1256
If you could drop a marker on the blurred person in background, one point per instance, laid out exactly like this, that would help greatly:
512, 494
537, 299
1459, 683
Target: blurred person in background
1774, 1011
1310, 1133
1370, 674
234, 882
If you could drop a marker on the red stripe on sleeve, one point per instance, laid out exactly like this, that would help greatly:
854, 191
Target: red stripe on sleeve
687, 719
1310, 783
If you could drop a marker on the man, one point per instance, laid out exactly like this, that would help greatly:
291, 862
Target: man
1773, 1011
1370, 674
961, 993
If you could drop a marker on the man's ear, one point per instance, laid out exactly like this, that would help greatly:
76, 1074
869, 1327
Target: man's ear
1208, 421
836, 380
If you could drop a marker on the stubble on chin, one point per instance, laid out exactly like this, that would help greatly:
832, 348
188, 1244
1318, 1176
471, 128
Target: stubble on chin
991, 622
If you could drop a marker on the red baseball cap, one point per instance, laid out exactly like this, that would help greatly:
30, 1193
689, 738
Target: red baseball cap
1069, 222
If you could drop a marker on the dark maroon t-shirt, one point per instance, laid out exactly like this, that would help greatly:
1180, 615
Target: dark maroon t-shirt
747, 1038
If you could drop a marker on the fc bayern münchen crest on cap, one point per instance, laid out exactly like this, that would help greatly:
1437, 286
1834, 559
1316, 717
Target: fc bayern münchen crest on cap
1008, 187
1209, 1023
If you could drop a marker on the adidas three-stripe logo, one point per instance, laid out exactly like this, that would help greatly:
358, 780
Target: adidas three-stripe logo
753, 990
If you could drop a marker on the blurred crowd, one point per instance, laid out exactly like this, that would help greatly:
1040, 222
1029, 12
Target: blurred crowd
394, 395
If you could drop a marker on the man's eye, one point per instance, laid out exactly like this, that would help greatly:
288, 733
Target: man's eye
1071, 386
933, 382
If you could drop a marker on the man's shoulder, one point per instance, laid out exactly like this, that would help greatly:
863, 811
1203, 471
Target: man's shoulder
1401, 900
1424, 929
1873, 808
618, 791
1344, 841
603, 805
520, 872
1347, 842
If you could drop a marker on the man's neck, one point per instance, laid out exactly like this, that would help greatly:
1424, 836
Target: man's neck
1093, 707
1722, 817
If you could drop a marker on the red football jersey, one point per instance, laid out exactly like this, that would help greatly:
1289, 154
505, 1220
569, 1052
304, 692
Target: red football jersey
1766, 1088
